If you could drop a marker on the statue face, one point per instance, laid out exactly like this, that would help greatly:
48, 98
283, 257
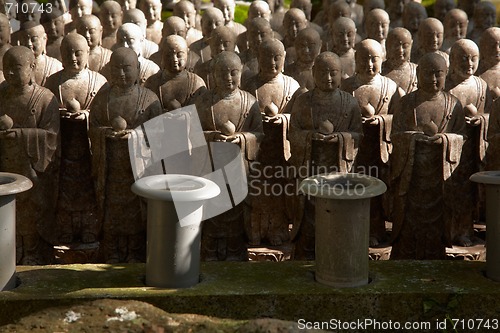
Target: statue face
464, 62
412, 19
395, 8
131, 38
485, 16
174, 57
431, 76
4, 31
227, 8
327, 74
399, 48
92, 31
83, 7
293, 25
152, 10
35, 39
377, 27
187, 13
219, 43
456, 26
209, 23
256, 35
75, 57
368, 61
17, 71
343, 37
431, 37
307, 48
175, 28
441, 7
128, 4
124, 71
227, 76
491, 52
111, 18
55, 27
271, 60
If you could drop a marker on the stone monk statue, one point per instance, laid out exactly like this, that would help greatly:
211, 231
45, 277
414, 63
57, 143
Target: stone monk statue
115, 111
29, 145
427, 134
90, 27
75, 86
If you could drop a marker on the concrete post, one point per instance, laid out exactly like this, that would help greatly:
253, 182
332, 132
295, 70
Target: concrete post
10, 185
342, 226
491, 179
175, 210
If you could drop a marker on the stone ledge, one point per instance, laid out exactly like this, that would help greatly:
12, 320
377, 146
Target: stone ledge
399, 291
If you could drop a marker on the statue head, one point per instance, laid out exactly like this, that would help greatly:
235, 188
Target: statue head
127, 4
307, 45
18, 66
74, 52
489, 46
131, 36
369, 57
395, 8
174, 54
174, 25
33, 36
53, 23
431, 73
377, 24
467, 6
271, 58
338, 9
343, 35
151, 10
211, 19
30, 13
89, 26
370, 5
294, 21
227, 8
430, 35
455, 24
485, 15
464, 58
227, 69
259, 29
413, 14
111, 15
398, 45
4, 29
441, 7
124, 67
136, 16
78, 8
327, 71
304, 5
222, 39
185, 10
259, 8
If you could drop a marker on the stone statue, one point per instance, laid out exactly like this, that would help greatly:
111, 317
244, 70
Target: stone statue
29, 145
471, 91
77, 8
377, 26
368, 6
430, 39
53, 24
293, 22
185, 10
131, 35
174, 85
489, 63
442, 7
274, 92
34, 37
137, 17
395, 11
4, 36
427, 137
90, 27
398, 66
227, 8
152, 11
111, 16
493, 152
343, 37
259, 29
322, 140
468, 7
335, 10
75, 87
211, 19
321, 17
115, 111
222, 39
127, 4
374, 92
455, 28
413, 14
228, 114
485, 16
307, 47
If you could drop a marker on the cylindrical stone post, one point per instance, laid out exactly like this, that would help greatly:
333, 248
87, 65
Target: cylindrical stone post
491, 181
342, 226
175, 210
10, 185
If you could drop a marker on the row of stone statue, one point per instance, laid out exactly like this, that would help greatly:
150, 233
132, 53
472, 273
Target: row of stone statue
82, 188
